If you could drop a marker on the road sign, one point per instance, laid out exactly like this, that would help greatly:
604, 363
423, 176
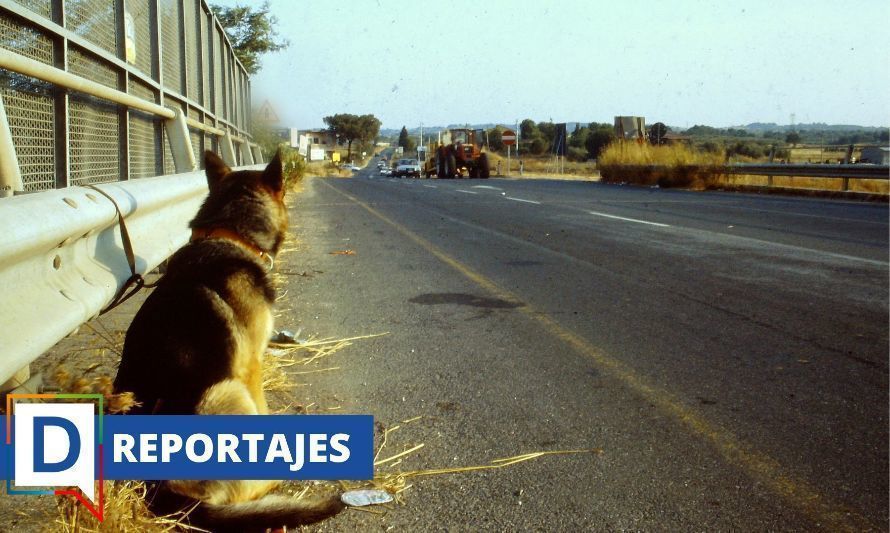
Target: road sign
266, 113
508, 137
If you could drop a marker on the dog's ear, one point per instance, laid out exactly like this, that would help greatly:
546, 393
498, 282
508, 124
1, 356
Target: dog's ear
273, 177
215, 168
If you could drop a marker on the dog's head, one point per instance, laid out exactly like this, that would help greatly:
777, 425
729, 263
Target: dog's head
247, 202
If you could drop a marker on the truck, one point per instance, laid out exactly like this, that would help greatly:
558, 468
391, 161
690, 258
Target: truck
458, 153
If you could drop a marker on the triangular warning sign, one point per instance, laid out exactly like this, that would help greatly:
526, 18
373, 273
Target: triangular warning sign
266, 113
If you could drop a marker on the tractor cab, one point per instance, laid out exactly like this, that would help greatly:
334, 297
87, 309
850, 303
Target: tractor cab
459, 153
467, 143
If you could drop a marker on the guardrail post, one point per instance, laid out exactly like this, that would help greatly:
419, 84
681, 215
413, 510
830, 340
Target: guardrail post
180, 142
257, 154
246, 154
227, 150
10, 173
22, 382
845, 186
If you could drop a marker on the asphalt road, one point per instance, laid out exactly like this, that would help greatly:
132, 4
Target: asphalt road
727, 353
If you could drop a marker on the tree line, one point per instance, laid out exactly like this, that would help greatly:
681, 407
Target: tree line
538, 138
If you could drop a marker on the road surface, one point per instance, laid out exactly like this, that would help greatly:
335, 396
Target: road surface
725, 353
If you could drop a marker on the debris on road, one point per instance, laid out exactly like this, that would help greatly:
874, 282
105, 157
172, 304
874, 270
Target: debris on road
365, 497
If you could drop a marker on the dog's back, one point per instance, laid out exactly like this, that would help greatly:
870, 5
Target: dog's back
196, 345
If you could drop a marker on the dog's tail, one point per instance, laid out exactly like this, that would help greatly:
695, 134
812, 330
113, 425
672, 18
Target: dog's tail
269, 512
265, 513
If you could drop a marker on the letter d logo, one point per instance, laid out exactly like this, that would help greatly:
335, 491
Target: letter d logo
41, 423
55, 446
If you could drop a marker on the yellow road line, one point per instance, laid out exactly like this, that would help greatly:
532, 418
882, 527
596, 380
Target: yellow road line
761, 467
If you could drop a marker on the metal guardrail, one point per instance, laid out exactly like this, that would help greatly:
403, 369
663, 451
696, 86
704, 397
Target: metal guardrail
62, 260
95, 91
843, 172
861, 171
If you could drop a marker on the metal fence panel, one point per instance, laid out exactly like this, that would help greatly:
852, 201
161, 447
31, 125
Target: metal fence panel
94, 141
170, 45
143, 48
168, 52
30, 111
94, 20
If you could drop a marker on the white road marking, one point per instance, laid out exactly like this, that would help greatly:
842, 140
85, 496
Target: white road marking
431, 186
630, 219
522, 200
486, 187
466, 192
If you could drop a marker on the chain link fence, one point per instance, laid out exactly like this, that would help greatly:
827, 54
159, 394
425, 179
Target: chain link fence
173, 53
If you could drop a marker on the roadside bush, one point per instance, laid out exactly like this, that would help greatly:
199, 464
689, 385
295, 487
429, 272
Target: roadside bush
537, 147
666, 165
293, 166
712, 147
577, 154
747, 149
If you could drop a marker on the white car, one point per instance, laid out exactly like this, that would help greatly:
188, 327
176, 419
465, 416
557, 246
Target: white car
407, 168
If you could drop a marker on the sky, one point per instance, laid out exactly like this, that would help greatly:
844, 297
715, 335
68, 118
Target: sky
681, 62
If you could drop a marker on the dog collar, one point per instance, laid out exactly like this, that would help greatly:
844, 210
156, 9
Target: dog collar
229, 235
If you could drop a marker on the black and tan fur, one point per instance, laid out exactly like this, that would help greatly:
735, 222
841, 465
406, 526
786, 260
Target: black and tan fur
196, 345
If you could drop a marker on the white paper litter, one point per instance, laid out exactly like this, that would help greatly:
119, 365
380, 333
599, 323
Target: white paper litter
364, 497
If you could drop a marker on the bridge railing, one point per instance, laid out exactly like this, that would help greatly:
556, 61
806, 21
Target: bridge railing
96, 91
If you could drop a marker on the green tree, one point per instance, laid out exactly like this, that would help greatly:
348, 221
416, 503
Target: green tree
369, 128
495, 141
657, 132
578, 138
792, 138
548, 132
350, 128
599, 137
404, 139
528, 130
251, 32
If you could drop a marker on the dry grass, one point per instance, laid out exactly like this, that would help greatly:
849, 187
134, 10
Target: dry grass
667, 166
542, 166
125, 511
817, 154
879, 187
387, 477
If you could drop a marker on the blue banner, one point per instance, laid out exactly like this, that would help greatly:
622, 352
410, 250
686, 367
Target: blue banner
230, 447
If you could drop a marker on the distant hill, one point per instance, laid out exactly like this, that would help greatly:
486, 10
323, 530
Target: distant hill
754, 127
758, 127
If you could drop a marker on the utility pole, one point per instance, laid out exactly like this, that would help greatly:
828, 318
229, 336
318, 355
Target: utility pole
517, 138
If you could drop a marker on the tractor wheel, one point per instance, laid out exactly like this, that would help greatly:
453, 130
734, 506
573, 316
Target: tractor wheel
450, 165
440, 162
474, 172
484, 168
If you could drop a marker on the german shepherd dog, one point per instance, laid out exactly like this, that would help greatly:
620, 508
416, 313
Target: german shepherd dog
196, 345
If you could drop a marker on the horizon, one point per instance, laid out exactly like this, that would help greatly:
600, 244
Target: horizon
722, 65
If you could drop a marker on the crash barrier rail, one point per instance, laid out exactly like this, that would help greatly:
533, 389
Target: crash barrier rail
844, 172
62, 258
103, 92
96, 91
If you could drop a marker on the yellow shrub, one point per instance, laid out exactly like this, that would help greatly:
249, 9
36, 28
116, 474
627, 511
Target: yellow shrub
668, 166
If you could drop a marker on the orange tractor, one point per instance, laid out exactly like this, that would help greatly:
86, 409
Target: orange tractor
458, 154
